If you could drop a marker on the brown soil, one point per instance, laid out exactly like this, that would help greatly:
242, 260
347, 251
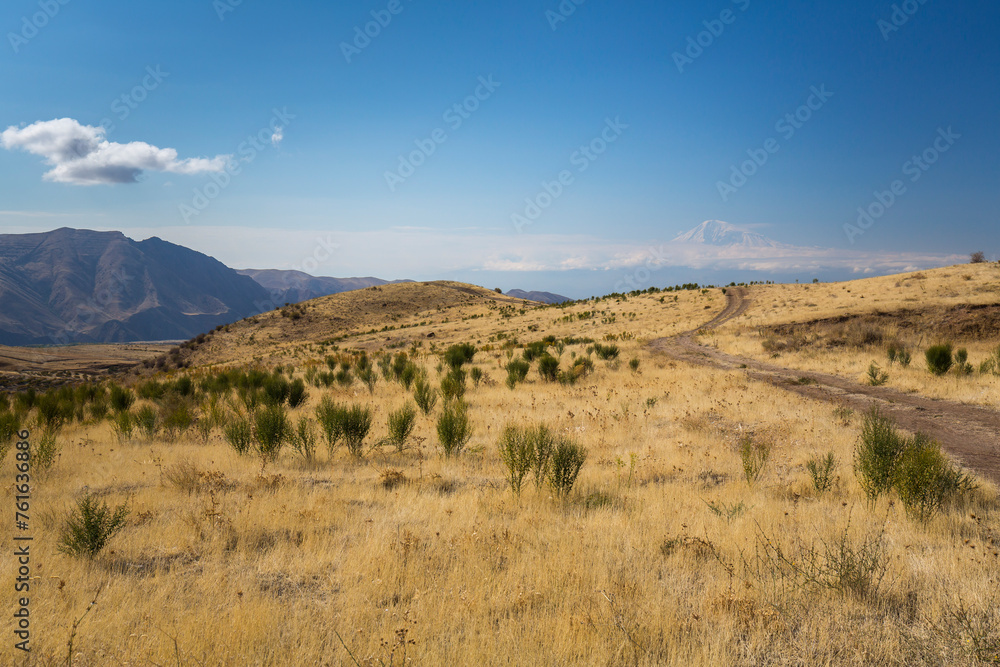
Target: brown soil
970, 433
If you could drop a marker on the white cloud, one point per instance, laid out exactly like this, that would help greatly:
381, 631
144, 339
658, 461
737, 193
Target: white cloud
278, 136
81, 155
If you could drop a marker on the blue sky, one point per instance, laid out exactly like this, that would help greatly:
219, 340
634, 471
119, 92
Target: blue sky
201, 76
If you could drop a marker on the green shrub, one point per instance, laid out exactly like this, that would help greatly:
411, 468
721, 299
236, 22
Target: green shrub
176, 417
962, 365
453, 428
633, 364
876, 376
271, 432
476, 373
297, 393
400, 424
424, 395
276, 391
543, 443
369, 377
567, 461
534, 351
453, 384
517, 453
877, 454
925, 479
45, 450
239, 434
147, 421
327, 414
754, 455
88, 528
517, 371
939, 360
821, 471
121, 399
606, 352
355, 422
458, 355
304, 439
548, 367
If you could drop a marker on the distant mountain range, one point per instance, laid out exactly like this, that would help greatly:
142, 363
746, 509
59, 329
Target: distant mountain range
295, 286
718, 233
80, 286
542, 297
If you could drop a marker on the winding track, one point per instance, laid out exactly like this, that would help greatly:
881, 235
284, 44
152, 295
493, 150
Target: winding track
970, 433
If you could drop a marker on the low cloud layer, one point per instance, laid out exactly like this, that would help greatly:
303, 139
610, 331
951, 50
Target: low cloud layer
81, 155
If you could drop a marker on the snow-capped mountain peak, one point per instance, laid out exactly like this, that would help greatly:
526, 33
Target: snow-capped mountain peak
718, 233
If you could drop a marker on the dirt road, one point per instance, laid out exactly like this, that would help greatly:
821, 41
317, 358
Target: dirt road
970, 433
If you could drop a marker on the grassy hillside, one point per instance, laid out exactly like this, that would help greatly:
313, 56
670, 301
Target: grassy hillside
666, 550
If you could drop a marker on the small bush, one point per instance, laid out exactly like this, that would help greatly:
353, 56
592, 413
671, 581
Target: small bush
876, 376
424, 395
453, 428
304, 439
939, 359
567, 461
548, 367
754, 455
176, 417
534, 351
123, 425
606, 352
458, 355
147, 421
453, 384
297, 393
518, 454
517, 371
271, 432
90, 526
400, 424
876, 455
121, 399
327, 414
925, 479
962, 365
821, 471
45, 451
368, 377
476, 373
239, 434
633, 364
276, 391
977, 257
355, 422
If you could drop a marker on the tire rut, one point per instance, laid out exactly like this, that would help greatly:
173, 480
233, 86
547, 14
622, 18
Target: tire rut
969, 433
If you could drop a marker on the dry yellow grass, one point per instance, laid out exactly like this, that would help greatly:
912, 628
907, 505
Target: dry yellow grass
974, 284
252, 566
